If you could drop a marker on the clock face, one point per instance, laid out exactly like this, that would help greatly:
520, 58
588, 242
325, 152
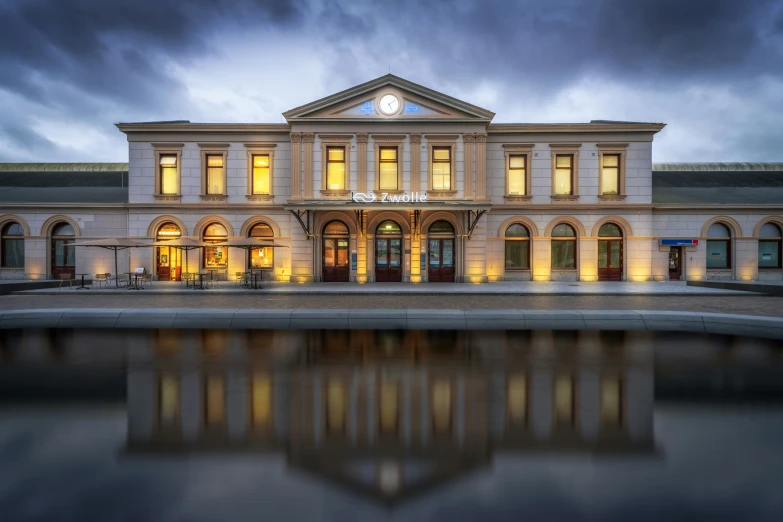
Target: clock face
389, 104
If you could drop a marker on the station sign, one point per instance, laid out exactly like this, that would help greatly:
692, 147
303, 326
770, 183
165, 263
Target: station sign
679, 242
386, 197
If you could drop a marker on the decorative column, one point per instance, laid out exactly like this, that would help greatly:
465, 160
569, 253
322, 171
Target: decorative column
307, 139
296, 166
481, 166
361, 243
415, 139
468, 140
415, 246
361, 162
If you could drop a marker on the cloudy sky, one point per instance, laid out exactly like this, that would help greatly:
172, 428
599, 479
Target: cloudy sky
711, 69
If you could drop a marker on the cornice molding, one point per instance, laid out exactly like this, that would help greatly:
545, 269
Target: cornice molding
340, 137
388, 137
562, 146
214, 145
612, 146
519, 146
167, 145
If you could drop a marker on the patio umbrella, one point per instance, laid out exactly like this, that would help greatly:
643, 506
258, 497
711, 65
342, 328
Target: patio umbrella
112, 243
183, 243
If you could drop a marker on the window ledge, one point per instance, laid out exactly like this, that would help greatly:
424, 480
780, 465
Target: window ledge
563, 269
259, 197
335, 194
518, 199
565, 197
611, 197
214, 197
385, 191
167, 197
441, 194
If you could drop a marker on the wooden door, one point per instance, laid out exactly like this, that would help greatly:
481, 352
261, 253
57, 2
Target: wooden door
167, 263
675, 263
441, 260
610, 260
335, 260
388, 260
63, 257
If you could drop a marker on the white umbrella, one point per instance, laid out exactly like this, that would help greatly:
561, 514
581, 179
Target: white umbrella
112, 243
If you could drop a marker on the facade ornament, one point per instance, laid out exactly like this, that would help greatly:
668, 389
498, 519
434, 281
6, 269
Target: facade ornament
361, 137
468, 137
308, 137
415, 137
296, 137
481, 138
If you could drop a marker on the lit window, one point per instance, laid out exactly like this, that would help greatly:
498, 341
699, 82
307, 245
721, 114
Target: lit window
215, 400
610, 174
516, 175
262, 257
215, 257
335, 407
769, 246
387, 167
389, 406
564, 170
563, 247
12, 246
718, 246
335, 168
168, 174
441, 168
564, 400
517, 399
517, 248
261, 181
216, 181
168, 393
261, 400
441, 406
611, 401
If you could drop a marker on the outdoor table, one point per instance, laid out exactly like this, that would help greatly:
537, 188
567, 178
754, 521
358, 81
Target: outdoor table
256, 275
200, 284
212, 273
82, 287
133, 281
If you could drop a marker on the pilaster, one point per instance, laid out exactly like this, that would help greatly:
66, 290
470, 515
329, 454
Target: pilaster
468, 141
307, 139
415, 139
481, 166
296, 166
361, 162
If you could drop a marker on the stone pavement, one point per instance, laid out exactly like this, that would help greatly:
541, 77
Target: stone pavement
742, 303
462, 289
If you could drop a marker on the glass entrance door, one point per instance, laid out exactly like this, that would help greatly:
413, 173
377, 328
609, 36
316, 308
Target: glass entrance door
388, 260
675, 264
335, 260
610, 260
441, 260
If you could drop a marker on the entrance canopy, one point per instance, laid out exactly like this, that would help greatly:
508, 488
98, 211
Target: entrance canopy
350, 205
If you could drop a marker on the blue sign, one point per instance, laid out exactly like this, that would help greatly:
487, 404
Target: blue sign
679, 242
353, 261
367, 108
411, 107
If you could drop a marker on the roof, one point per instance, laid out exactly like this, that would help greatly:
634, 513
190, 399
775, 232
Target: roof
718, 183
63, 182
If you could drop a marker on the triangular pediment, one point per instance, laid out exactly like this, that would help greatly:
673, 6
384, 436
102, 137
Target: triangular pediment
410, 101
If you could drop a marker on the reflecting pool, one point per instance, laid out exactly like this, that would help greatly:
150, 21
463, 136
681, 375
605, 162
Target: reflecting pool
359, 425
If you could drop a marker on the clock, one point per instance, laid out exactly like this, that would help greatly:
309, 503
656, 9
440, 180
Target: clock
388, 104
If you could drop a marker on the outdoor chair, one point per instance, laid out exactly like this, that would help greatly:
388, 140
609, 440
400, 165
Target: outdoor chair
240, 278
101, 279
186, 278
146, 279
64, 278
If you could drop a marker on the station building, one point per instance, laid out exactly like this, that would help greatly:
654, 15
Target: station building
391, 181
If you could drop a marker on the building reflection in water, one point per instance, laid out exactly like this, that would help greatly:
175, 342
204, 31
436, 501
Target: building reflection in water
390, 413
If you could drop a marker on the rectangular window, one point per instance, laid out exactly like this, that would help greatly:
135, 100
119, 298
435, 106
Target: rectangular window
216, 181
563, 254
215, 400
261, 400
441, 168
611, 401
335, 407
387, 165
168, 394
769, 254
564, 400
610, 174
718, 254
441, 406
516, 175
517, 399
168, 174
335, 168
261, 181
564, 170
389, 407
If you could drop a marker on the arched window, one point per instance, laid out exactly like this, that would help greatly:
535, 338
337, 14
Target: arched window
63, 229
441, 228
168, 231
609, 230
718, 246
610, 253
388, 228
63, 257
215, 257
517, 247
563, 247
12, 246
262, 257
335, 228
770, 246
